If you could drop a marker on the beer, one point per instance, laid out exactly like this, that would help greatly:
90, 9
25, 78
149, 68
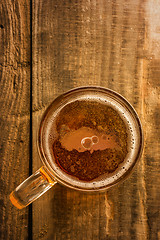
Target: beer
92, 139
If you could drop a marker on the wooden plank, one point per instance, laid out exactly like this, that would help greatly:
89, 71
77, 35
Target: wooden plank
15, 112
152, 118
98, 43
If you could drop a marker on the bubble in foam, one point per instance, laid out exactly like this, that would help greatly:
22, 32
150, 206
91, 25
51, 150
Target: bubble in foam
86, 142
95, 139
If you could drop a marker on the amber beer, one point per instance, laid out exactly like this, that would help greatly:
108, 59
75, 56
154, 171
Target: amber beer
92, 139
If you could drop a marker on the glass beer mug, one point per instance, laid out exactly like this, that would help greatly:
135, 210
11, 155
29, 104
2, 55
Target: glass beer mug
89, 139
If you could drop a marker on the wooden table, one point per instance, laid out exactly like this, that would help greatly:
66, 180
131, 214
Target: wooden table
46, 48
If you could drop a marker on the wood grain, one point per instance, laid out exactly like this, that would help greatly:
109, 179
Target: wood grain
15, 112
112, 44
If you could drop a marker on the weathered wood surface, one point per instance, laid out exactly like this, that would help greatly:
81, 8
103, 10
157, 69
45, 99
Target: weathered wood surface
15, 112
113, 43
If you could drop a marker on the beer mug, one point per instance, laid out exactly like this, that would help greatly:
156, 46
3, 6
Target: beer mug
89, 139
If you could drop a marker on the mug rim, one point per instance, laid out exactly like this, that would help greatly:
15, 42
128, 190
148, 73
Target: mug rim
129, 108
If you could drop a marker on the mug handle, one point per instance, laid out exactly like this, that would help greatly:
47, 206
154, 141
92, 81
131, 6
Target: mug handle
32, 188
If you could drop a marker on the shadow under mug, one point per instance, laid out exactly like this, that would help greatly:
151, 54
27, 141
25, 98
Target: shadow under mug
48, 175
